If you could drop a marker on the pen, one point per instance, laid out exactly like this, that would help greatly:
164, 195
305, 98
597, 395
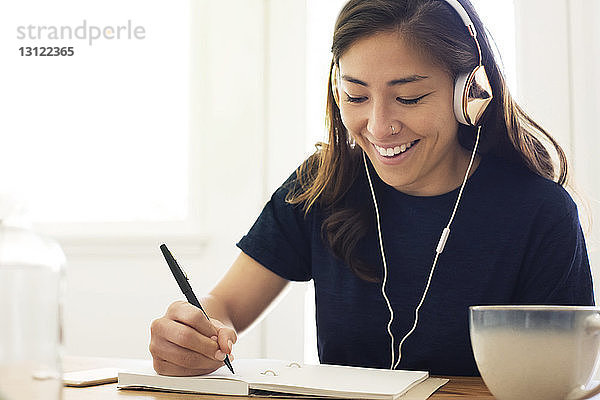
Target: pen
184, 285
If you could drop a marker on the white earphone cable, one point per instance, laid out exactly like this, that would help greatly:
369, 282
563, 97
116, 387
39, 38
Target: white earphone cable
387, 301
462, 187
439, 249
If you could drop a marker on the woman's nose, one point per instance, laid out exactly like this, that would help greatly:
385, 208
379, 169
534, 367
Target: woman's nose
380, 122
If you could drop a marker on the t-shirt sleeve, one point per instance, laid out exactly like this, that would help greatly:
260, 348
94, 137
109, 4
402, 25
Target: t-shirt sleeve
279, 239
556, 269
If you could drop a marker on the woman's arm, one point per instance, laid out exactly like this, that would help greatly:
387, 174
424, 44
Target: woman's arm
244, 293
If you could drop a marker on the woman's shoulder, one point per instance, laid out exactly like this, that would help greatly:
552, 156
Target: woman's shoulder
522, 185
320, 184
300, 179
293, 193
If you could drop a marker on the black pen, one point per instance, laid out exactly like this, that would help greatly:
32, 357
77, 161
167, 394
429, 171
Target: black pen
184, 285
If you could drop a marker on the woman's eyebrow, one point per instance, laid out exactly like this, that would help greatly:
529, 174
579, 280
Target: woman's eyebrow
400, 81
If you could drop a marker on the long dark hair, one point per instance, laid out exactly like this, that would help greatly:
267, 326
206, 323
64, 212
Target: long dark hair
434, 27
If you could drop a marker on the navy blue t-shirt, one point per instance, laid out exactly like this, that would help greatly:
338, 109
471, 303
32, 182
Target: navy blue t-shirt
515, 239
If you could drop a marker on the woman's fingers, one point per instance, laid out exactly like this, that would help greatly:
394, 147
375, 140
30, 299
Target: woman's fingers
183, 357
226, 337
192, 316
183, 336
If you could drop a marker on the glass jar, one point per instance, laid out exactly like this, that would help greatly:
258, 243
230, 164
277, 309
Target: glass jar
31, 280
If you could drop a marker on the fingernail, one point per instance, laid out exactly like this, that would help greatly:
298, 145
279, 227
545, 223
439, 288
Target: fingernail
219, 355
231, 357
214, 338
230, 344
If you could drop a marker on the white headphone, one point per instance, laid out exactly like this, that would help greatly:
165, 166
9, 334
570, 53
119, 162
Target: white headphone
472, 91
472, 95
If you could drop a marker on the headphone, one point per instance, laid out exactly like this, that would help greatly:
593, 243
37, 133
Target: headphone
472, 95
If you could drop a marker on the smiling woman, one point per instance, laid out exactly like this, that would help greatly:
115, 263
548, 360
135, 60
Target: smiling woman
361, 217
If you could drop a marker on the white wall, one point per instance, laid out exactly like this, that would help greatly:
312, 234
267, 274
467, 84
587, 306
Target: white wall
558, 76
584, 24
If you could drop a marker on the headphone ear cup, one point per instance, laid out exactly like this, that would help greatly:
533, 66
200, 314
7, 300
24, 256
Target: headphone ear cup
335, 76
460, 93
472, 95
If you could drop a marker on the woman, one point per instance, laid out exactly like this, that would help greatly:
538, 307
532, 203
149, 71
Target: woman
362, 216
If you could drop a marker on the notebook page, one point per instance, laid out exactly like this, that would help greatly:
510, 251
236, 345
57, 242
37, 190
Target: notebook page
245, 370
341, 381
248, 368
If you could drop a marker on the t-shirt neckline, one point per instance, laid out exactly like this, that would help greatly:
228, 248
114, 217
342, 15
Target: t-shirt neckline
473, 179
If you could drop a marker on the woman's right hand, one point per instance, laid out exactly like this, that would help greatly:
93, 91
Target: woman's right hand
183, 342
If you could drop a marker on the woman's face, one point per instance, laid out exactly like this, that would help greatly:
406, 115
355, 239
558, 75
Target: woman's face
385, 83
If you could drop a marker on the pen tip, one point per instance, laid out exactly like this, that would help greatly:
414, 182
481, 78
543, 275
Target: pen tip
228, 363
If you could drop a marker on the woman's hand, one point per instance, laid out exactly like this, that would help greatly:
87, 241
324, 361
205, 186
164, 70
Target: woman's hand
183, 342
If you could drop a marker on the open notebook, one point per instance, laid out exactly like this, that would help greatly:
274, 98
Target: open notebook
271, 377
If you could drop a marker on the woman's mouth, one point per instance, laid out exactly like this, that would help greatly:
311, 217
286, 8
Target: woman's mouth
396, 152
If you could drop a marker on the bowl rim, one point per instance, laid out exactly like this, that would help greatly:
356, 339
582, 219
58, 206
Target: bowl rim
530, 307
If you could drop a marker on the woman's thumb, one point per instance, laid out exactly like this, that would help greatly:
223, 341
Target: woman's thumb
226, 338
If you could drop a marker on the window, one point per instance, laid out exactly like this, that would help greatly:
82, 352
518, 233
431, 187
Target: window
101, 136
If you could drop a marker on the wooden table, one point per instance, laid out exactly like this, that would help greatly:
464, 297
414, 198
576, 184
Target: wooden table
457, 388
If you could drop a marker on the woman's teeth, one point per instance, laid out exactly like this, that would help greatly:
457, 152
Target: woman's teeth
392, 151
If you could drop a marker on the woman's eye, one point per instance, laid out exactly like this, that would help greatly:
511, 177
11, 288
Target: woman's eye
409, 101
360, 99
351, 99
